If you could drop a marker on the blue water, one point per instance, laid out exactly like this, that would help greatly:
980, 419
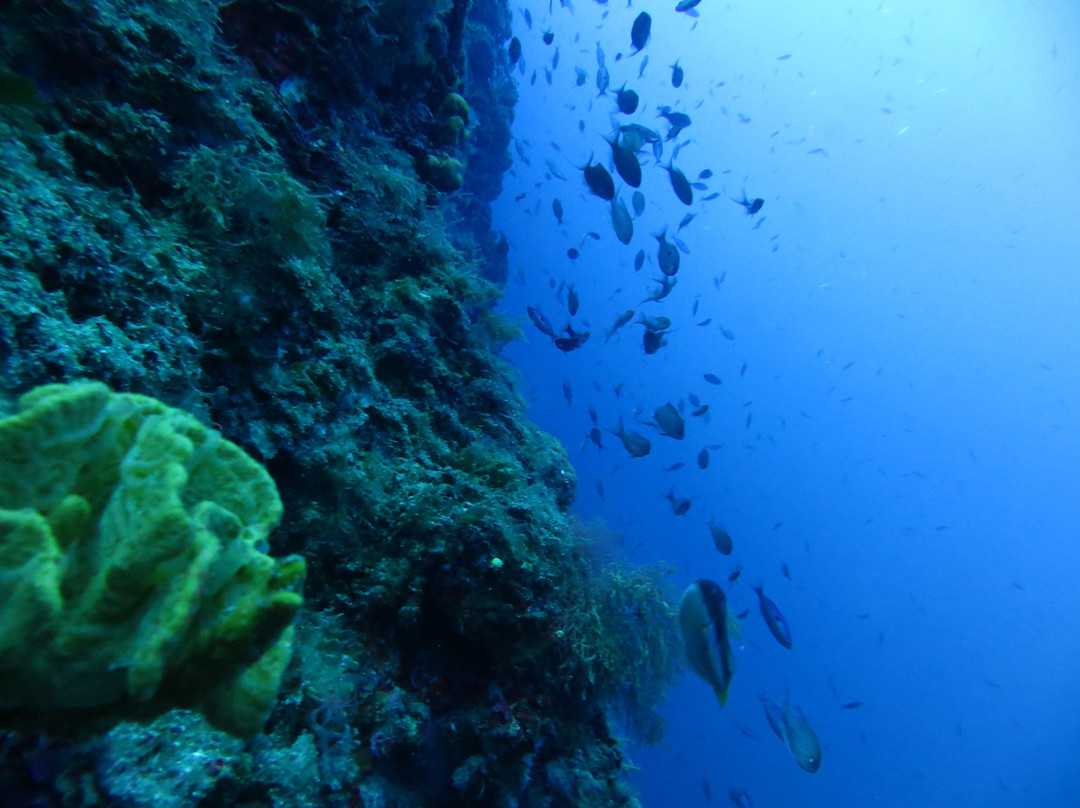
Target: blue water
908, 313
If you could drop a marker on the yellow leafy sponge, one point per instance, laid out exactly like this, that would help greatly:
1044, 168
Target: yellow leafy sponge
133, 577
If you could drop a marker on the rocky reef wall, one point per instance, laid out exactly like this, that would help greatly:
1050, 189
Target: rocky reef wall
274, 216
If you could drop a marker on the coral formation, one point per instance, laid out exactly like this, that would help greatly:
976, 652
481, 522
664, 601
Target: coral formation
131, 575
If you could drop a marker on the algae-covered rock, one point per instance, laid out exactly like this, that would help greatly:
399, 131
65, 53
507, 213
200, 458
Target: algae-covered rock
132, 571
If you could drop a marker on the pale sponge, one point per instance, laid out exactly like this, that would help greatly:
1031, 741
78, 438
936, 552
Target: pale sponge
133, 577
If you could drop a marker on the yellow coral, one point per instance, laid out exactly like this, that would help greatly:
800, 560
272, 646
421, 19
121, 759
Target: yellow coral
132, 578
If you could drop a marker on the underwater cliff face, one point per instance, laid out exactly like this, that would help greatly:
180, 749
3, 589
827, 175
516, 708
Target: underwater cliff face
275, 216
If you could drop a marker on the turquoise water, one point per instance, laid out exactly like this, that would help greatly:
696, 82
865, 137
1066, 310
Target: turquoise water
906, 434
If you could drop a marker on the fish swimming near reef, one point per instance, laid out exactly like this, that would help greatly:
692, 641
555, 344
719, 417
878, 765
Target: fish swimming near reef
679, 505
634, 443
640, 31
653, 341
669, 421
514, 51
626, 163
621, 221
599, 180
667, 254
774, 618
638, 203
620, 321
703, 623
557, 209
790, 725
676, 75
655, 323
626, 100
680, 184
540, 321
752, 205
572, 341
677, 121
720, 537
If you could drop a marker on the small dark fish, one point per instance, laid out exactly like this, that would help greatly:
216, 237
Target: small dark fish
655, 323
785, 571
591, 234
638, 201
634, 443
568, 393
685, 221
740, 798
653, 341
540, 321
621, 221
599, 180
514, 51
572, 254
666, 285
528, 18
626, 100
622, 320
747, 731
699, 186
600, 488
677, 121
697, 412
603, 80
547, 76
774, 619
686, 5
676, 75
520, 196
572, 341
742, 615
711, 197
705, 174
572, 301
703, 623
626, 163
729, 335
669, 421
639, 260
742, 370
580, 77
667, 254
681, 245
679, 505
641, 70
549, 37
680, 184
851, 705
705, 789
712, 378
721, 538
703, 459
556, 207
555, 60
640, 31
752, 205
733, 576
783, 58
675, 466
592, 414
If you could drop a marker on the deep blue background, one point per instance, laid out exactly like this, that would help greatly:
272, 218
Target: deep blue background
909, 315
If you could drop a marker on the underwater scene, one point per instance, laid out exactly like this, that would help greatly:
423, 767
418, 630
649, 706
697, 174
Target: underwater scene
543, 405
